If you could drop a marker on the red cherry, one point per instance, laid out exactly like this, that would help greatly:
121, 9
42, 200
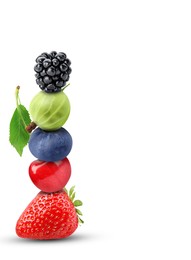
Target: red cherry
50, 176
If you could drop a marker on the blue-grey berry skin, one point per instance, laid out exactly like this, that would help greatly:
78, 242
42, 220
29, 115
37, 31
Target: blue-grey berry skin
50, 146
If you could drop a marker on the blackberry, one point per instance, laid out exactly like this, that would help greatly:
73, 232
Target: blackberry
52, 71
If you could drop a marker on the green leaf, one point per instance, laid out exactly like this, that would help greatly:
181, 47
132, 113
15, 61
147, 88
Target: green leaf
78, 203
79, 212
18, 136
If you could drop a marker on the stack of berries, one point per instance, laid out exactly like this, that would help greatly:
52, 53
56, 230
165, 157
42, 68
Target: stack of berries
52, 214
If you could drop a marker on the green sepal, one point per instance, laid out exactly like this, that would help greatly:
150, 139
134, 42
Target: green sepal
79, 212
78, 203
73, 196
80, 221
71, 191
65, 190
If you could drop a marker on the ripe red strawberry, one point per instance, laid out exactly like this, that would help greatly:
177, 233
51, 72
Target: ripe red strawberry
50, 216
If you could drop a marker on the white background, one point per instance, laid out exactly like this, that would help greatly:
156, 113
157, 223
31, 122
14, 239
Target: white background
130, 94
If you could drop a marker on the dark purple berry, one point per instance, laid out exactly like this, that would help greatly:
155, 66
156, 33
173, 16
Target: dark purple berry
69, 70
46, 55
68, 62
47, 80
40, 59
64, 76
41, 87
53, 53
61, 56
63, 67
43, 73
38, 68
51, 71
60, 83
55, 78
37, 75
39, 81
58, 71
46, 63
55, 62
50, 86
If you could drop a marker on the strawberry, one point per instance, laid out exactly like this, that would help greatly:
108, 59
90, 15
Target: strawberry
50, 216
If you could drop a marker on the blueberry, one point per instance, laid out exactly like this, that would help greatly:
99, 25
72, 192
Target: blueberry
50, 146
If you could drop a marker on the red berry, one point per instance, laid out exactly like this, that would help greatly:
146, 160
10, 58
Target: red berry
50, 176
48, 216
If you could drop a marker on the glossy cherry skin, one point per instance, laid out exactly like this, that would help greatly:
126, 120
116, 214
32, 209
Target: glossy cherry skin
50, 176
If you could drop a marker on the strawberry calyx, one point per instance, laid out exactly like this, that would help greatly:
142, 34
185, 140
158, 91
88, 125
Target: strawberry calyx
71, 193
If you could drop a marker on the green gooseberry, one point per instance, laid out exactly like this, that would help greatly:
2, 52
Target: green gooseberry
50, 111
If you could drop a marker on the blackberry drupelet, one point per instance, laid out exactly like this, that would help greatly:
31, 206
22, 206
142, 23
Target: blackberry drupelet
52, 71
